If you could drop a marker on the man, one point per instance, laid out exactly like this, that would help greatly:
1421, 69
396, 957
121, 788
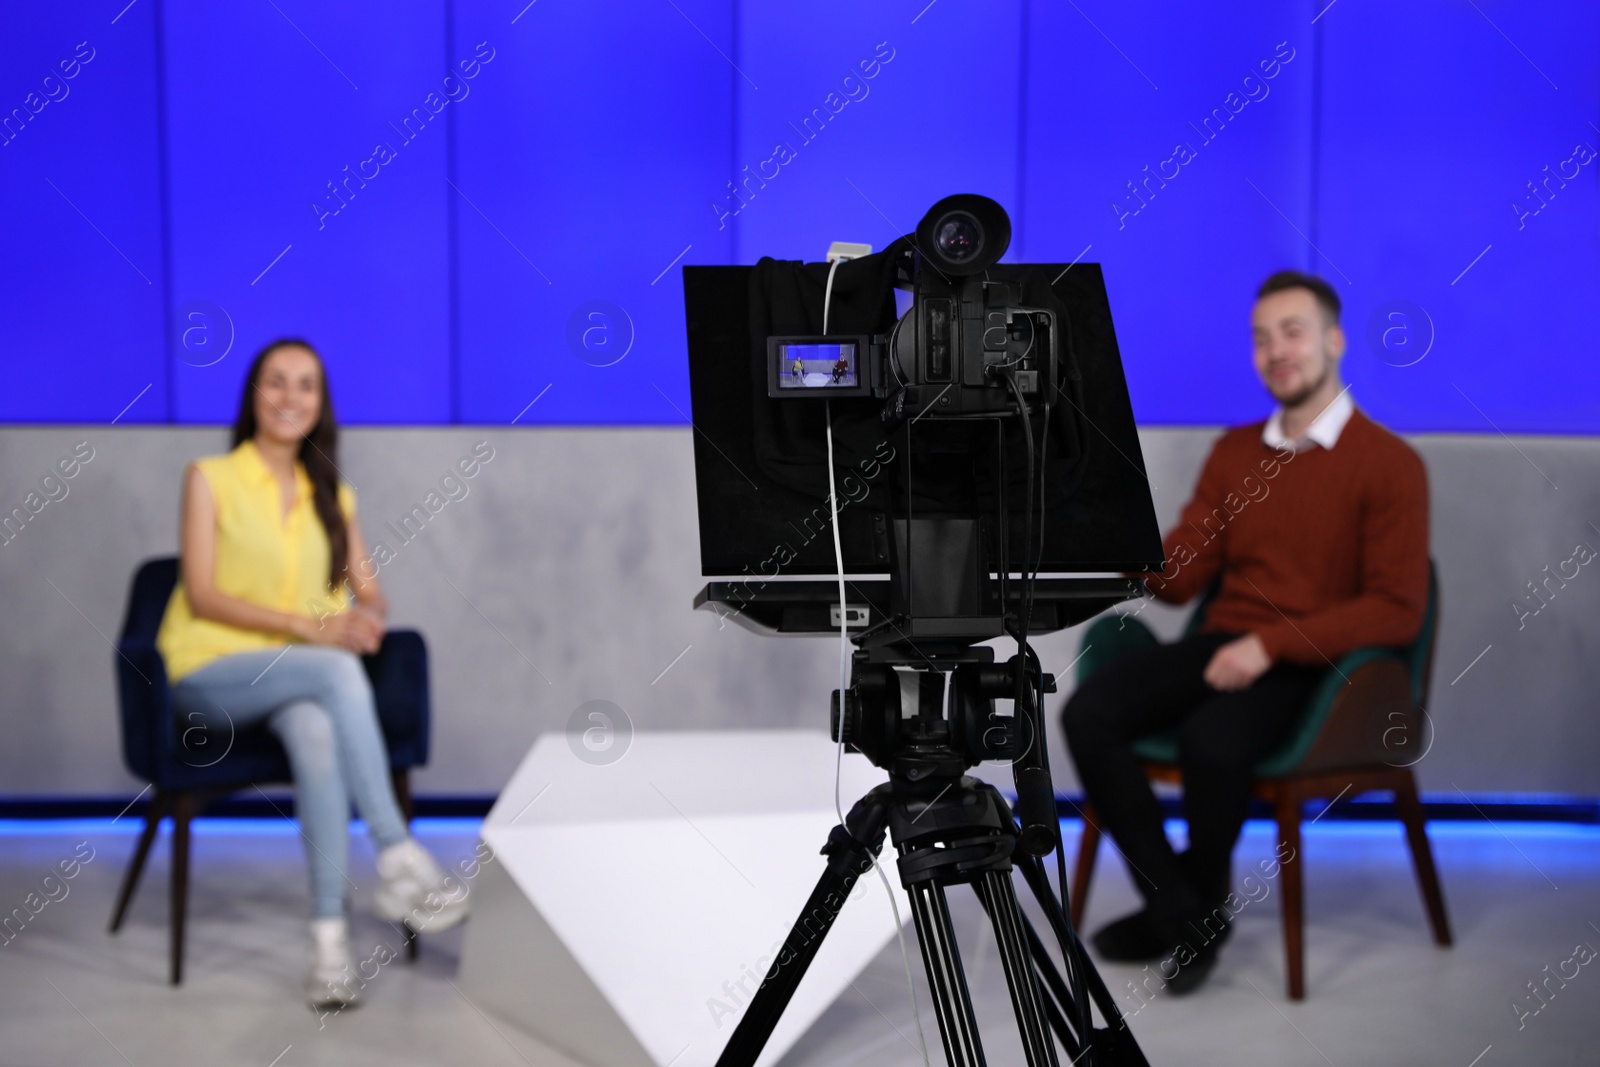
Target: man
1314, 525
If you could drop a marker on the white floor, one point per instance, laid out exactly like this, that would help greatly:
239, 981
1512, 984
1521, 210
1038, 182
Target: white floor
1520, 897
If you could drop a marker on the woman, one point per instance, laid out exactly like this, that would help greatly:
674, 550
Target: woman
259, 629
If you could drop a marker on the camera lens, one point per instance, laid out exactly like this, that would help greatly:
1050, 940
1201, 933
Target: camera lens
964, 234
958, 236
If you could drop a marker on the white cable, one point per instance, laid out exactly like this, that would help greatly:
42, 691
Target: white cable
838, 558
844, 683
827, 293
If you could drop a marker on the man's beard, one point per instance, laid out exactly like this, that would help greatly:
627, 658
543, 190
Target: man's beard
1302, 395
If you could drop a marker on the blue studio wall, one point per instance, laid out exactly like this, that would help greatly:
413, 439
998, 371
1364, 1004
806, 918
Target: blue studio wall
478, 211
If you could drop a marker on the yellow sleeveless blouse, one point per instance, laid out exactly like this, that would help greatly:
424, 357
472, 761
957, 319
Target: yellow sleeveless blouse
261, 557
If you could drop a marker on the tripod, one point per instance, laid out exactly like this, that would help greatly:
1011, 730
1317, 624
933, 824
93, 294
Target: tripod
955, 387
949, 829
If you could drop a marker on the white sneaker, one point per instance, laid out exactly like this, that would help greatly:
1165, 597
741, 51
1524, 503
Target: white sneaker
330, 982
413, 889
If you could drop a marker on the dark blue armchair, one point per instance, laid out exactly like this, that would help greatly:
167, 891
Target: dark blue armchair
189, 770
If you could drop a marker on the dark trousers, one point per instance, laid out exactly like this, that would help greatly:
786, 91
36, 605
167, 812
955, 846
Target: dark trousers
1221, 736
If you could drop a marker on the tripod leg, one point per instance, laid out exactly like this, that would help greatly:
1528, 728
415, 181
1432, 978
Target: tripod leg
1117, 1043
1059, 998
1000, 901
850, 853
952, 1001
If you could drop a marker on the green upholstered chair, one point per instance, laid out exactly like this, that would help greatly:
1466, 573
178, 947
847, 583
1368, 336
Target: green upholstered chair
1360, 732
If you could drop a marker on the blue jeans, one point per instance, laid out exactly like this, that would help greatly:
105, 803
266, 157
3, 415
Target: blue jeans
319, 703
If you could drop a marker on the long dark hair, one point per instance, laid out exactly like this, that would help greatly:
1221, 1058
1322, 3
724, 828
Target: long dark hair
319, 452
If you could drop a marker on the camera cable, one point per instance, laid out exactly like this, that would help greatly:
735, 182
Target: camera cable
1034, 672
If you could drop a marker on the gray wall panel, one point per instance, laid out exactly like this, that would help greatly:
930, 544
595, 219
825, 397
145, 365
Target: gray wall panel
566, 575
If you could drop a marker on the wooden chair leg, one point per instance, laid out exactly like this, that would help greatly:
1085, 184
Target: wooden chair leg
1083, 869
183, 808
130, 879
1292, 882
1410, 811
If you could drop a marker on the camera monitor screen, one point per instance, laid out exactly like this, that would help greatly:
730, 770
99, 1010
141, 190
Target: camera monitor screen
816, 366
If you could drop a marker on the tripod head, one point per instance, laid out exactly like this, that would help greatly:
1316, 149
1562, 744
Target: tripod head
903, 718
897, 712
928, 719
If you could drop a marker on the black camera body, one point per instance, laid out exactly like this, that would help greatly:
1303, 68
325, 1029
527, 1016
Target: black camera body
958, 344
966, 347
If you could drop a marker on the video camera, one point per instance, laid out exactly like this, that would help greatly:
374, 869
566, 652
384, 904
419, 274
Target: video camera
966, 347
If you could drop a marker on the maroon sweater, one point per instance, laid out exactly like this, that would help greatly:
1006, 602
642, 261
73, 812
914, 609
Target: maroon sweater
1319, 551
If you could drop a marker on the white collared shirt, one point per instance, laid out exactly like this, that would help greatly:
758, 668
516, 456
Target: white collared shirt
1324, 429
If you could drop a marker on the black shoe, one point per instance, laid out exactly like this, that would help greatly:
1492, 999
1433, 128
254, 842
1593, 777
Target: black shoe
1197, 941
1190, 976
1132, 939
